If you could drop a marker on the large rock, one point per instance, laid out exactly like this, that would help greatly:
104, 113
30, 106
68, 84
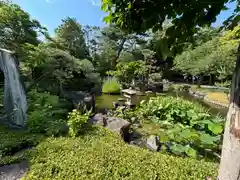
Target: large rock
115, 124
14, 171
139, 143
79, 97
135, 122
153, 143
155, 87
99, 119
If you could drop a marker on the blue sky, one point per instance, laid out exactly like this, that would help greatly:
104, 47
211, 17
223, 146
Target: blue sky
51, 12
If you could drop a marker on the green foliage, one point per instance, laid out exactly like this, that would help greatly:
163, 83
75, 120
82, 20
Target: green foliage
77, 121
12, 141
151, 60
34, 56
188, 128
196, 61
17, 28
155, 78
115, 46
205, 34
54, 70
139, 16
215, 57
111, 43
6, 160
101, 154
45, 114
70, 37
128, 71
226, 84
111, 86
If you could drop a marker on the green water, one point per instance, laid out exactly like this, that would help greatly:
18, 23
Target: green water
106, 101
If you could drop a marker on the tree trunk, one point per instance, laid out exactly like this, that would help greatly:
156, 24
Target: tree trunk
199, 80
210, 79
230, 159
119, 52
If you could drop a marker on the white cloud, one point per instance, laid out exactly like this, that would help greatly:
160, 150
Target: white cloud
95, 2
50, 1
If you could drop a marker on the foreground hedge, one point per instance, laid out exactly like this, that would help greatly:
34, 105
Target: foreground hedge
102, 155
11, 141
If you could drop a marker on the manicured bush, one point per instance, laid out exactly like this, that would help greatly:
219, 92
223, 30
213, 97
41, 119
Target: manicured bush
101, 154
111, 86
12, 141
45, 114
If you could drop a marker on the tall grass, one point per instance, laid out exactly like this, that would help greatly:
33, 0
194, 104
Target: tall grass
111, 86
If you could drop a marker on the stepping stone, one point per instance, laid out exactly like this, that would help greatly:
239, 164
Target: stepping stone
13, 171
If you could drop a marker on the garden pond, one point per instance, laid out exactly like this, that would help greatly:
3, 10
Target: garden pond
105, 101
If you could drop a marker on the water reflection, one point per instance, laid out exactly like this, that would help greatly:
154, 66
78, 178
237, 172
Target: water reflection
106, 101
213, 109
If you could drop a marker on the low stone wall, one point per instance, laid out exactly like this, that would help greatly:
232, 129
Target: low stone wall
197, 94
215, 102
213, 87
205, 98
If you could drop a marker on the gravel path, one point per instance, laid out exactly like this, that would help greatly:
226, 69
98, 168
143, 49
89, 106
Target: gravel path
13, 171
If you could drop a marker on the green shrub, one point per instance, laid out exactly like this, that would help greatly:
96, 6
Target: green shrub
45, 114
155, 78
6, 160
128, 71
181, 87
103, 155
12, 141
226, 84
77, 121
188, 128
111, 86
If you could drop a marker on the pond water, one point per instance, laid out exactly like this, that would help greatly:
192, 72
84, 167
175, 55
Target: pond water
106, 101
213, 109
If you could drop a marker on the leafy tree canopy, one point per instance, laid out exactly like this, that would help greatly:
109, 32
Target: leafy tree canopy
17, 28
216, 56
70, 37
186, 16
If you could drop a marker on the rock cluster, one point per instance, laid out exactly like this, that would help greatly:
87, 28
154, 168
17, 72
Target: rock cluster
122, 127
115, 124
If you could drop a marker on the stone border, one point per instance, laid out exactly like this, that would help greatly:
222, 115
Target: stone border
197, 94
213, 87
215, 102
203, 96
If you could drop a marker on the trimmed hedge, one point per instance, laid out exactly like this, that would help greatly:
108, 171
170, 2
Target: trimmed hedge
111, 86
101, 154
12, 141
